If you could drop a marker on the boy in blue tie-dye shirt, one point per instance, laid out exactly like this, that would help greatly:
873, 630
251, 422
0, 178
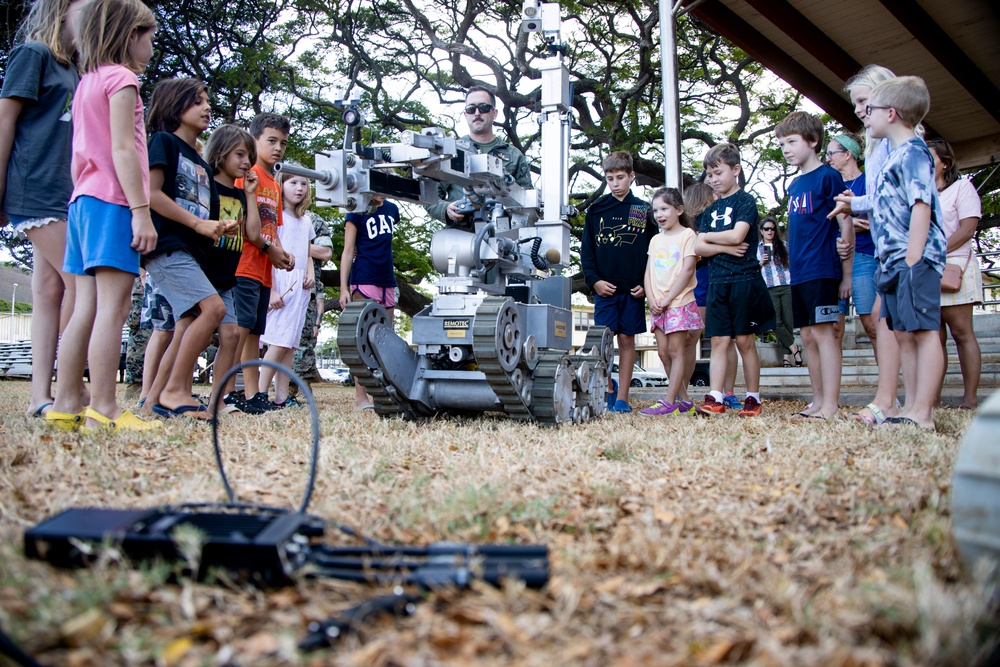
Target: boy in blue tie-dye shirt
910, 243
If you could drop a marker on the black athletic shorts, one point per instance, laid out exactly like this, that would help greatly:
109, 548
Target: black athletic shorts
738, 309
252, 300
816, 302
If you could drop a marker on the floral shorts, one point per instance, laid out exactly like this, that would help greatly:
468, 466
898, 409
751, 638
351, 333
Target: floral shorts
682, 318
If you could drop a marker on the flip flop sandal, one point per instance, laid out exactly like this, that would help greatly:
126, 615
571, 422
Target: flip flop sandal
191, 411
40, 412
66, 421
906, 421
878, 417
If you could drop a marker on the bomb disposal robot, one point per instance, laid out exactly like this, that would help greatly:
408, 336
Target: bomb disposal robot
497, 335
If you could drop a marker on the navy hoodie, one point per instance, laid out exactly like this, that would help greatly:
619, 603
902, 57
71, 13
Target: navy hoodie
616, 238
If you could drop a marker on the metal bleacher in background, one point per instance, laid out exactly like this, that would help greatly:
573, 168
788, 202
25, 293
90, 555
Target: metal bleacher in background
15, 358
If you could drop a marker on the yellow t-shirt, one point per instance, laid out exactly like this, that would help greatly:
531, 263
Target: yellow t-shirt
667, 251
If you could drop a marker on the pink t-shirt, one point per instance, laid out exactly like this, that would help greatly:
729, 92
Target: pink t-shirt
93, 167
959, 201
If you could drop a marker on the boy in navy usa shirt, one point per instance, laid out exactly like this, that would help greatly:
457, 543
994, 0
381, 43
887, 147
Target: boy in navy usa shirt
820, 278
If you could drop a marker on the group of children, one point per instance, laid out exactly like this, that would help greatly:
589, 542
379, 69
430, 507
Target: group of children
224, 245
627, 262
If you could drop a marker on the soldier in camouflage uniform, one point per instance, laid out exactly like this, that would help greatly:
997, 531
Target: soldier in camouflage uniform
482, 104
136, 346
321, 250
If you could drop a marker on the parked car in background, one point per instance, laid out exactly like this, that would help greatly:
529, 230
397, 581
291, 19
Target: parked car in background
642, 378
337, 375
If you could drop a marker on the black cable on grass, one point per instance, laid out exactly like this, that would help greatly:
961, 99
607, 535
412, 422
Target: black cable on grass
313, 413
15, 653
314, 458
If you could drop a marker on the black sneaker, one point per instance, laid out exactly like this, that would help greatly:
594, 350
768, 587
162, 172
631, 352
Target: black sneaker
260, 402
235, 400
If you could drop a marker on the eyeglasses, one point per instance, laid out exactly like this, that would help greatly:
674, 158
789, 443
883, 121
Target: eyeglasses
830, 154
482, 108
767, 229
872, 107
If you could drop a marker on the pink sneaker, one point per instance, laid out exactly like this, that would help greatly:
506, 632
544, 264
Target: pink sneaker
659, 408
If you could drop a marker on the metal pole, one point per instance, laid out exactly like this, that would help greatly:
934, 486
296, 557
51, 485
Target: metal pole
13, 299
671, 101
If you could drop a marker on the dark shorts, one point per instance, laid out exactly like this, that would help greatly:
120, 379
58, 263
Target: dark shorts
621, 313
738, 309
816, 302
701, 288
911, 296
251, 299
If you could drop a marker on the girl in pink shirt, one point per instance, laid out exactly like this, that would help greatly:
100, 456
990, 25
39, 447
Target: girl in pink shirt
109, 223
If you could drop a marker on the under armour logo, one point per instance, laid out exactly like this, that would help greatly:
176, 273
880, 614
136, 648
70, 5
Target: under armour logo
724, 218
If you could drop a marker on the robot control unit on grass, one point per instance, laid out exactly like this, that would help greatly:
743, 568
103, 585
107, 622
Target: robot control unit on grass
497, 336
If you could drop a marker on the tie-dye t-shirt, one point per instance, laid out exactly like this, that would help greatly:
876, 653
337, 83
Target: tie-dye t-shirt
906, 178
667, 251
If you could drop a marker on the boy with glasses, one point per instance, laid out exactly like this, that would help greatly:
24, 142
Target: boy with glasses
480, 115
910, 243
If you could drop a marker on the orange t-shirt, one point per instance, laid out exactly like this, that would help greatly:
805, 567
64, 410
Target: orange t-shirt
254, 263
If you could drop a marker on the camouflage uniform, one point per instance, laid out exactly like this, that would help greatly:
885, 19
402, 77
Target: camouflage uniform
137, 338
515, 164
305, 356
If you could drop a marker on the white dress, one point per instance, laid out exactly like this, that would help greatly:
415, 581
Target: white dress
284, 325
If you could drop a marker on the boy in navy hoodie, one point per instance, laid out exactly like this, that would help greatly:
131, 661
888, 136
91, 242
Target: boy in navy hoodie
616, 234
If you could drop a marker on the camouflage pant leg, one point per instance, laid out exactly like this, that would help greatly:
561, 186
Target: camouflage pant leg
305, 355
136, 346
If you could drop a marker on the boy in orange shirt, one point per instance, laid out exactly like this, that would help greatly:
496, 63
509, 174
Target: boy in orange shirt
252, 293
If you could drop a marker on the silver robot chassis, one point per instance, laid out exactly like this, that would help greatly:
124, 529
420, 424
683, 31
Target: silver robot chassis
502, 371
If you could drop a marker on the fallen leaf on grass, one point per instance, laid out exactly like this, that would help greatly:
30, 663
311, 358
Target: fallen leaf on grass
79, 630
611, 585
258, 645
726, 650
175, 650
664, 516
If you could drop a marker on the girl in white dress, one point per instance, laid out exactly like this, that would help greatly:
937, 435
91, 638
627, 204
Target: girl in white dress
290, 290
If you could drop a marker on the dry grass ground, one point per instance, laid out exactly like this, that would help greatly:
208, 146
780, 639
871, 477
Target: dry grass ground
674, 541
